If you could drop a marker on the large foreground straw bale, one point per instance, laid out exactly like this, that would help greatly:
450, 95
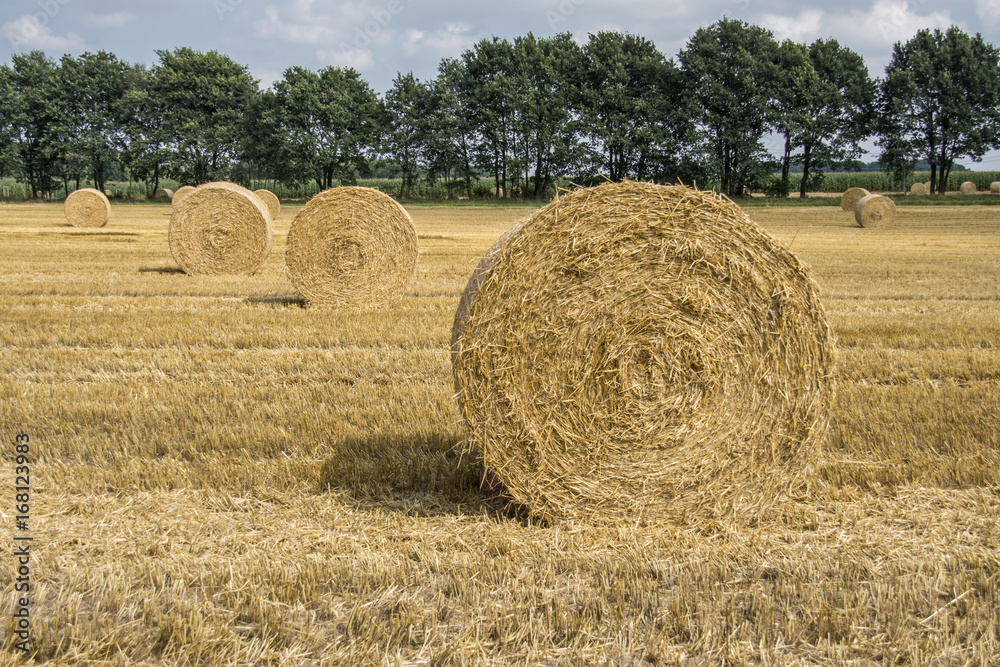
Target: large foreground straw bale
635, 350
181, 193
220, 228
968, 188
270, 200
850, 199
87, 207
875, 211
352, 247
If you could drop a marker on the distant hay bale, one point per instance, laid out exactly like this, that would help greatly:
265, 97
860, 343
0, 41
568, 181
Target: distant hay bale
352, 247
875, 211
643, 351
968, 188
850, 199
163, 194
497, 192
928, 186
87, 207
917, 189
995, 188
181, 193
270, 200
220, 228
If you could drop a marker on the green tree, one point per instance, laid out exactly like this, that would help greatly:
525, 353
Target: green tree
8, 158
825, 105
547, 130
451, 130
330, 121
406, 106
36, 120
200, 99
629, 102
731, 74
93, 87
940, 101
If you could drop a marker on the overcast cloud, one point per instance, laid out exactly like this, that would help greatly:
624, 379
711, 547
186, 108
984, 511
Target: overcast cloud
380, 38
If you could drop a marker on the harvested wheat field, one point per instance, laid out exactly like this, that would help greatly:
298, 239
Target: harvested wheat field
220, 475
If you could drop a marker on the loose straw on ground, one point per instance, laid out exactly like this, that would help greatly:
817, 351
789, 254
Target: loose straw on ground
270, 200
642, 351
87, 207
220, 228
352, 248
850, 199
875, 211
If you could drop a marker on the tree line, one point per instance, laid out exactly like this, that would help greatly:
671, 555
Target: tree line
522, 112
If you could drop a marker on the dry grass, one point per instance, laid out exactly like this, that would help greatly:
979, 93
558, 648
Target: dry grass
640, 351
87, 207
225, 477
849, 200
220, 228
352, 248
270, 200
875, 211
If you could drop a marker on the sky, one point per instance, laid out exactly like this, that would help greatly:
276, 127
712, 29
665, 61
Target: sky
381, 38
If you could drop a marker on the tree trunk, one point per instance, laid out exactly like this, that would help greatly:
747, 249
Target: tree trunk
786, 165
806, 167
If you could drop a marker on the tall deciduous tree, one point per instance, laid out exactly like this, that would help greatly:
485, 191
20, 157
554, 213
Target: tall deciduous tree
330, 121
406, 106
37, 122
94, 86
630, 104
825, 107
940, 100
731, 74
201, 98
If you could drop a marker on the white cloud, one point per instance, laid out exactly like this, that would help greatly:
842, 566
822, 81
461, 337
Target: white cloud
803, 28
347, 56
29, 32
888, 22
450, 40
988, 12
115, 20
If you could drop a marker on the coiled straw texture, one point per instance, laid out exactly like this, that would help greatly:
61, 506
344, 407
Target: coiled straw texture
220, 228
636, 351
87, 207
353, 248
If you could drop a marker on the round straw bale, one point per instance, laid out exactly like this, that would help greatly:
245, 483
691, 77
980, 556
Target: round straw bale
87, 207
351, 247
928, 186
851, 198
497, 192
917, 189
995, 188
181, 193
875, 211
270, 200
220, 228
643, 351
968, 188
163, 194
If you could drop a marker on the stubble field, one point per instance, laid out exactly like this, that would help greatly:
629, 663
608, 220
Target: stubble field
221, 476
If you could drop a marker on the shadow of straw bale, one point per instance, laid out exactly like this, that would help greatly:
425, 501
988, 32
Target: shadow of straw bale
278, 300
391, 463
160, 269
